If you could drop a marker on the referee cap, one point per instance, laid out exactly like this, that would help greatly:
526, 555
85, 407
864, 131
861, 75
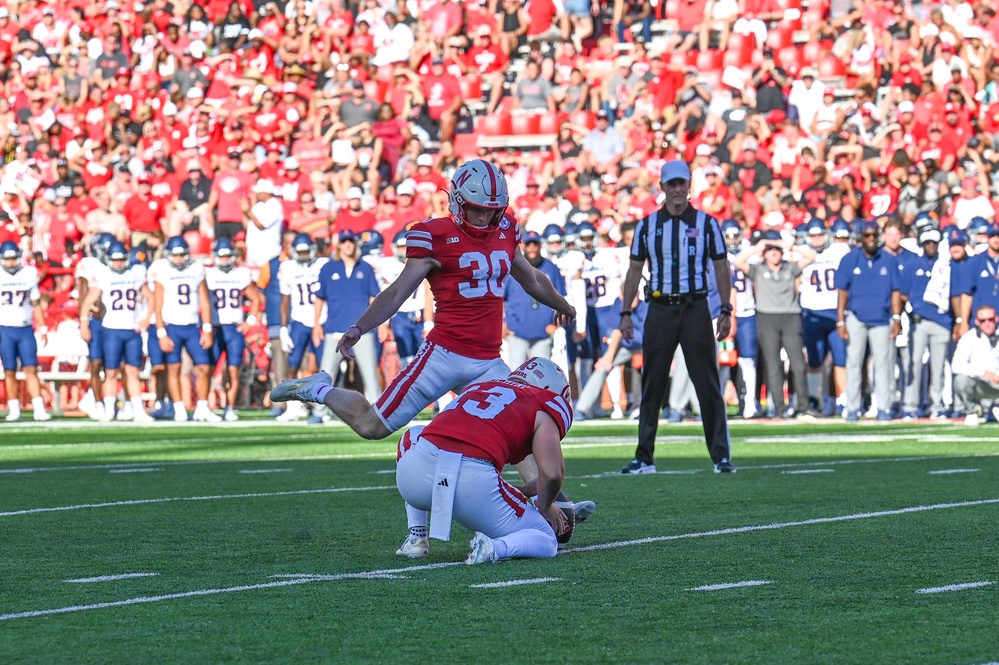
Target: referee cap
676, 169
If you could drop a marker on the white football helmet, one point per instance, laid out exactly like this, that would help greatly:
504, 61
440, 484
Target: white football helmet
480, 184
542, 373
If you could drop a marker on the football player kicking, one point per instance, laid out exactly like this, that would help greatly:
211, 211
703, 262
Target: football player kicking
20, 301
119, 286
181, 300
227, 285
453, 466
465, 258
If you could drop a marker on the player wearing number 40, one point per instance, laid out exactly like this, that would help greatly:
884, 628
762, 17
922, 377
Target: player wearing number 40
466, 258
19, 303
227, 284
120, 288
183, 321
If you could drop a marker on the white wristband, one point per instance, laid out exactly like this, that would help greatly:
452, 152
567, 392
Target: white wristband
252, 320
206, 328
161, 333
43, 329
428, 326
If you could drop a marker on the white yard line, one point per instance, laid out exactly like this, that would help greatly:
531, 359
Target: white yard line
802, 471
109, 578
943, 472
732, 585
434, 566
144, 469
955, 587
498, 585
266, 470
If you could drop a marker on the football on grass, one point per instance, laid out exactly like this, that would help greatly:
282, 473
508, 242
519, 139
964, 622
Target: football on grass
570, 520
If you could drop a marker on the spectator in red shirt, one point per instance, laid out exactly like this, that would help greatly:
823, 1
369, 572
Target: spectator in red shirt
441, 96
229, 186
142, 212
882, 197
353, 218
294, 184
487, 61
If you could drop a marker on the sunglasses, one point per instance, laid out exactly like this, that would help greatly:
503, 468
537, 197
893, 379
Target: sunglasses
989, 320
869, 234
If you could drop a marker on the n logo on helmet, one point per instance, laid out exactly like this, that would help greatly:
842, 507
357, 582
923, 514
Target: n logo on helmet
462, 178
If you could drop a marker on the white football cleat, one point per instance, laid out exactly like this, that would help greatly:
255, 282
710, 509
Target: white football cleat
179, 414
414, 548
230, 416
207, 417
12, 417
972, 420
582, 510
104, 416
482, 550
42, 416
142, 417
295, 411
124, 417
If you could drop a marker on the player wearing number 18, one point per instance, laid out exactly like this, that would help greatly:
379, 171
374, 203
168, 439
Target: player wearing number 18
227, 285
19, 303
181, 302
119, 287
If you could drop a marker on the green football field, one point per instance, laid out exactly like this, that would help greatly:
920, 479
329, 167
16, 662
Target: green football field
249, 542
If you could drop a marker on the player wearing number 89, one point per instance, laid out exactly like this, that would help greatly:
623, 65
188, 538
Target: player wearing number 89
452, 466
181, 301
227, 285
119, 287
19, 303
298, 280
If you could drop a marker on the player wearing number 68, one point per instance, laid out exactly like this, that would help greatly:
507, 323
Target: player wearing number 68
121, 288
183, 321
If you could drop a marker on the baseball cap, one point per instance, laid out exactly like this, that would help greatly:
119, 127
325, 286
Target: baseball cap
484, 31
750, 144
256, 33
122, 71
532, 236
290, 163
263, 186
929, 235
291, 87
4, 12
992, 230
235, 153
193, 165
424, 160
609, 179
436, 60
355, 193
406, 187
169, 109
345, 235
674, 170
947, 47
949, 107
703, 150
884, 169
776, 117
773, 218
809, 71
195, 93
906, 107
603, 115
829, 91
145, 179
956, 236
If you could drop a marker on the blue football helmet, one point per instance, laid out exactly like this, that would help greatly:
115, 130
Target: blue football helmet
225, 254
818, 234
552, 240
399, 245
372, 242
178, 251
117, 258
139, 256
732, 233
10, 253
924, 220
304, 249
978, 226
587, 234
100, 243
841, 229
570, 236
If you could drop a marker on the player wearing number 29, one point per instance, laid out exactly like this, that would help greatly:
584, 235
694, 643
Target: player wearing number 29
181, 301
452, 466
19, 303
120, 288
227, 284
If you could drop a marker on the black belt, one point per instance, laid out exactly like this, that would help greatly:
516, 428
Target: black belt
677, 298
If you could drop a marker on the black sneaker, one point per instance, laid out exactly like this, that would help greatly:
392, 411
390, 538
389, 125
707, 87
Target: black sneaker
636, 467
724, 466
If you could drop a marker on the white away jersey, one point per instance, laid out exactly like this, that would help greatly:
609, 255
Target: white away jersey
180, 291
17, 292
817, 280
88, 268
604, 276
745, 296
300, 284
225, 289
391, 269
121, 294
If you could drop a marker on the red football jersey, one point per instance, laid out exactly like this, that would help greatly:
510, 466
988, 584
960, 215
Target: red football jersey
494, 420
468, 287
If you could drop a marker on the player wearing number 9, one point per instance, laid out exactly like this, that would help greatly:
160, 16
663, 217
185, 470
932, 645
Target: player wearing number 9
19, 303
227, 285
184, 321
119, 287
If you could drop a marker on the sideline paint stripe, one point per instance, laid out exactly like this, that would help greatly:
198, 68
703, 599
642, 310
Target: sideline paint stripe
801, 471
733, 585
434, 566
144, 469
955, 587
497, 585
140, 502
109, 578
266, 470
943, 472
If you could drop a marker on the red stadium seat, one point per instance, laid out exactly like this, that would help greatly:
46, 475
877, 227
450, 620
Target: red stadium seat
465, 145
710, 61
671, 9
737, 58
199, 244
685, 59
374, 91
586, 119
830, 67
742, 44
471, 88
495, 124
780, 37
791, 59
524, 124
812, 51
549, 122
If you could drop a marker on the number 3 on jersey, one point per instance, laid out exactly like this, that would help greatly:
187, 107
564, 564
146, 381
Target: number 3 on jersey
487, 273
499, 398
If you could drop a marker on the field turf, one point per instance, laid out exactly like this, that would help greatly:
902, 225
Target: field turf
250, 542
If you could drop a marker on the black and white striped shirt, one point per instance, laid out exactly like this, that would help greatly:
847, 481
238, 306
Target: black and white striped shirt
678, 249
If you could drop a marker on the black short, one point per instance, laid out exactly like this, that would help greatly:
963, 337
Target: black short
228, 229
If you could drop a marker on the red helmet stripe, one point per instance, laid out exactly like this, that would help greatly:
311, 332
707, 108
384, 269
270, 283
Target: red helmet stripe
491, 170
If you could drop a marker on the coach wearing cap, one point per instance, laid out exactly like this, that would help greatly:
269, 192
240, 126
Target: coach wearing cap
679, 243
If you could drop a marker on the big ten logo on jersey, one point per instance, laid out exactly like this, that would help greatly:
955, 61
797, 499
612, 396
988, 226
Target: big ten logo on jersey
488, 273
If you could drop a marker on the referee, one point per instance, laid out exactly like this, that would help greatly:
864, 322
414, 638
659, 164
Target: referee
679, 242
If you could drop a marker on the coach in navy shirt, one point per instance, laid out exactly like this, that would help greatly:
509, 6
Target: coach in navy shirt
980, 280
869, 310
347, 285
528, 320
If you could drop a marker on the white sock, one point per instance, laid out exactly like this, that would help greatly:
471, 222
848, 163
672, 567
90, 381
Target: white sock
614, 381
416, 517
109, 404
201, 406
136, 405
14, 405
747, 368
39, 404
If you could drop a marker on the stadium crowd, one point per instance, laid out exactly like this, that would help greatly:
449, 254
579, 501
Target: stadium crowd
268, 139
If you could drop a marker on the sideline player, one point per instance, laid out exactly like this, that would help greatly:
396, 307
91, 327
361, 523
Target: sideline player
488, 426
181, 299
86, 270
414, 320
466, 258
120, 287
227, 285
745, 317
20, 301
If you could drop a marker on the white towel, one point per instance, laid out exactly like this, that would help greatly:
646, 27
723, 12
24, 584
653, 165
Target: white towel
937, 291
445, 482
